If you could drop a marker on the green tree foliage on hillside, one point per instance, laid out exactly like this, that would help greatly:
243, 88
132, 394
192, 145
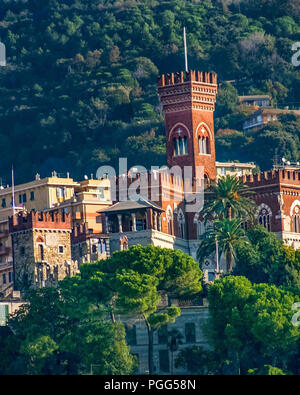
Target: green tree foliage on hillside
250, 330
264, 258
132, 283
80, 81
61, 332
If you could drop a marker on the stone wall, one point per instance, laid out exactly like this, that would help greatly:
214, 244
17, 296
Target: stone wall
42, 257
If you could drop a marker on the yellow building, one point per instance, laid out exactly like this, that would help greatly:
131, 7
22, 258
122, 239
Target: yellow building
39, 194
234, 169
90, 196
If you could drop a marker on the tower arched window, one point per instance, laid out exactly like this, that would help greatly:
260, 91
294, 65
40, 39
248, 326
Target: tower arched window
203, 145
180, 146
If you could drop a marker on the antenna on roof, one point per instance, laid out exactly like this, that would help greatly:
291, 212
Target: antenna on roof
185, 50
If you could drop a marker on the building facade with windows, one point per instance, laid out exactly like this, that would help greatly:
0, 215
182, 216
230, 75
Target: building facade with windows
189, 327
263, 116
187, 100
255, 100
41, 244
234, 169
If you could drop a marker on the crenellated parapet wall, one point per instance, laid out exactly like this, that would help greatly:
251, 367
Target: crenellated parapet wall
187, 76
39, 220
186, 91
281, 176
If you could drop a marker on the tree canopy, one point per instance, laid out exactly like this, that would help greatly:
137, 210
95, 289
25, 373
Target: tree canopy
79, 88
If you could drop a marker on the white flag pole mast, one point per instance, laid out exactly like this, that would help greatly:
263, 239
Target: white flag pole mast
185, 50
13, 189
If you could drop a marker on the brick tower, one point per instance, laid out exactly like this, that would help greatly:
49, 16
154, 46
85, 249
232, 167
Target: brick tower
188, 100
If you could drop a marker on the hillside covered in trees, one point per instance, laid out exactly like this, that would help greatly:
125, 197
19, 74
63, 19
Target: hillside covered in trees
79, 88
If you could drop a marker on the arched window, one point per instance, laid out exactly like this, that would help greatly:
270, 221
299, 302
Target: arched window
169, 215
264, 216
41, 252
200, 229
181, 224
124, 243
203, 141
296, 219
201, 226
180, 146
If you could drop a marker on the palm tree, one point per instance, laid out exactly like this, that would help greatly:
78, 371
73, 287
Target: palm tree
227, 233
228, 198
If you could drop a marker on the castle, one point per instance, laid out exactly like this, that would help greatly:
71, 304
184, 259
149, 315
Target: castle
60, 224
90, 224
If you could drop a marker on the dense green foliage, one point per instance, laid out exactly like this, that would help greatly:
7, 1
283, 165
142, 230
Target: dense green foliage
265, 258
250, 330
227, 234
62, 332
227, 198
132, 283
79, 88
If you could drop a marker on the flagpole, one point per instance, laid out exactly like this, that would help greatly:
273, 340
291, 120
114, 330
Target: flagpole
13, 189
185, 50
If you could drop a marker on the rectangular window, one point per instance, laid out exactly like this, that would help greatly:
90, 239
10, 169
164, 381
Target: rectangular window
24, 198
31, 196
61, 192
130, 334
190, 333
10, 277
101, 193
3, 314
3, 204
162, 335
3, 278
211, 276
164, 363
60, 249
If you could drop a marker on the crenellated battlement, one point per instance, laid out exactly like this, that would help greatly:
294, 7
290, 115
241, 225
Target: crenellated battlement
81, 233
287, 176
182, 77
45, 220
